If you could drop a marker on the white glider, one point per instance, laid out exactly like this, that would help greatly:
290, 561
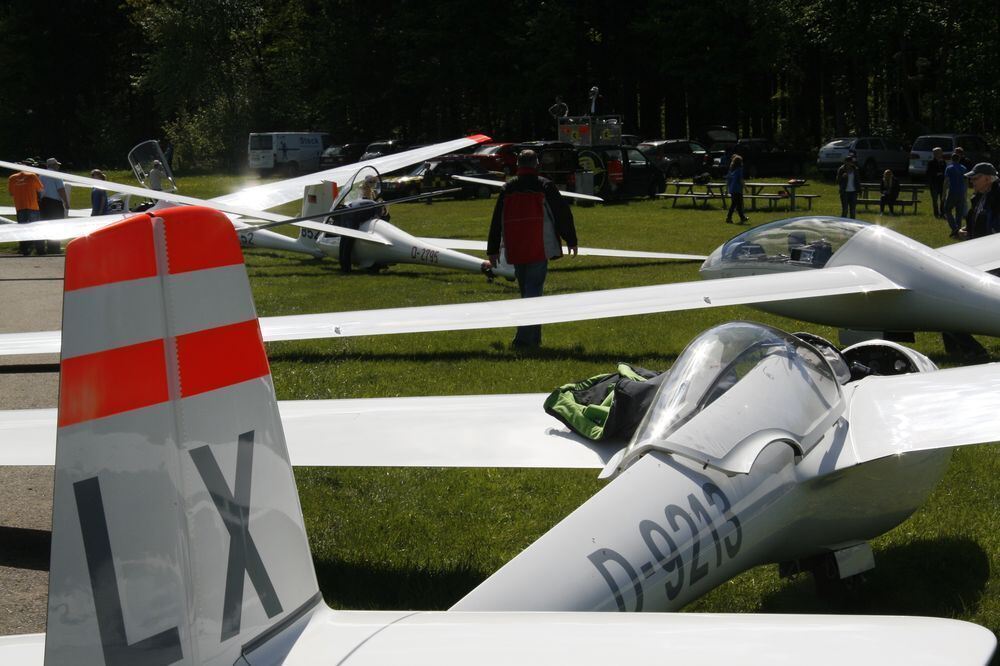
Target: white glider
178, 539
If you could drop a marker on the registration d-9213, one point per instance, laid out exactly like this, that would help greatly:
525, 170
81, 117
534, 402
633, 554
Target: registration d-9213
674, 543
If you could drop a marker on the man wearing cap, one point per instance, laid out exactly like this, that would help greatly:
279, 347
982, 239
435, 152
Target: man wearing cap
849, 183
955, 193
532, 219
25, 188
55, 200
985, 216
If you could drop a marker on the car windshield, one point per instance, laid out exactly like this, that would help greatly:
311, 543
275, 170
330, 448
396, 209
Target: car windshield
261, 141
721, 136
738, 359
839, 143
487, 150
795, 243
929, 143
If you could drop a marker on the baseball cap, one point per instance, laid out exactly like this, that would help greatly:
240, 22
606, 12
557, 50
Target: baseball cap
52, 163
983, 168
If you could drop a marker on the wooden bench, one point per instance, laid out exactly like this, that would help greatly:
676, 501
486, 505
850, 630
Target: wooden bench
695, 198
900, 203
808, 198
771, 199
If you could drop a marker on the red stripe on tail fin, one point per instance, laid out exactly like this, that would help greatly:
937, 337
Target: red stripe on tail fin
220, 357
121, 251
199, 238
110, 382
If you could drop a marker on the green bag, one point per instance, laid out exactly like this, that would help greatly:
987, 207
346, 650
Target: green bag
608, 406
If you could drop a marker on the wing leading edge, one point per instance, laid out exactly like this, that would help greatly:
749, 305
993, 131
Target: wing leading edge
543, 310
439, 431
461, 244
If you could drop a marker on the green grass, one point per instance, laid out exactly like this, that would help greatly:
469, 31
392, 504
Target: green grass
421, 538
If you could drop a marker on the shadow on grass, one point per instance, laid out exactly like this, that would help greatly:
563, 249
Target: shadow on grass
24, 548
496, 352
939, 577
377, 588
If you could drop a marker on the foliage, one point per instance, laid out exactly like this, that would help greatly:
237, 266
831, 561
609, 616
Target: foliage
88, 79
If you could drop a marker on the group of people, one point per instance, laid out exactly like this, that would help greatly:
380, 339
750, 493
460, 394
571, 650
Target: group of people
38, 198
948, 182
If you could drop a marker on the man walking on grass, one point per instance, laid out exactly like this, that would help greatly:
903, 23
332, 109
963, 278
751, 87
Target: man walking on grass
531, 219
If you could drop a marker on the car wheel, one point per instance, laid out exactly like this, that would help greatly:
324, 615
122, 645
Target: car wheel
674, 171
483, 192
871, 170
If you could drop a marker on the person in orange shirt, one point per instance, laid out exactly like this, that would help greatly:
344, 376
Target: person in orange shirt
25, 188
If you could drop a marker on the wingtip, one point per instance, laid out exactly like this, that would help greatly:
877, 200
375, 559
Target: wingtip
480, 138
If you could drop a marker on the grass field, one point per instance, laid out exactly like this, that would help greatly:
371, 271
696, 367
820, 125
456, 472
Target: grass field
421, 538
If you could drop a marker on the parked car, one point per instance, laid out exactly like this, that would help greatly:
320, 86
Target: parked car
380, 148
436, 175
718, 140
497, 156
341, 154
677, 158
621, 172
557, 161
874, 154
976, 150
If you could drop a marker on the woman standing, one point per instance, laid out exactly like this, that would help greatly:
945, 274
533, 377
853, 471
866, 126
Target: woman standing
734, 185
98, 197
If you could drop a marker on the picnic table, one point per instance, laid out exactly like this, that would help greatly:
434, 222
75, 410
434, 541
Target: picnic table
755, 192
871, 195
696, 192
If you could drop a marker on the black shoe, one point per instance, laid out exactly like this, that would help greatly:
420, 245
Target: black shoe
744, 220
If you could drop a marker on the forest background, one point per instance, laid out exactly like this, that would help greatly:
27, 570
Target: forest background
86, 80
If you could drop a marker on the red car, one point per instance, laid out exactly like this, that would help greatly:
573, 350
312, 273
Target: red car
497, 157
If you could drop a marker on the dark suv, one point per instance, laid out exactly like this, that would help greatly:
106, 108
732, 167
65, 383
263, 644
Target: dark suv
621, 172
380, 148
677, 158
341, 154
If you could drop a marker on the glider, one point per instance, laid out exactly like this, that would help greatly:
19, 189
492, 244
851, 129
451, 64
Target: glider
827, 270
178, 538
382, 243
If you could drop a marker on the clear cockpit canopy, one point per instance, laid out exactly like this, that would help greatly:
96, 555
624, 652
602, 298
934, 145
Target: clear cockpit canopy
792, 244
365, 184
147, 157
758, 379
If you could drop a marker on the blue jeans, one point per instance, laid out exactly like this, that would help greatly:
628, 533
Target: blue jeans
530, 279
849, 204
955, 202
25, 216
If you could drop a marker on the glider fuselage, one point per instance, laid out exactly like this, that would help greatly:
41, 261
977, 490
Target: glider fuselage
937, 293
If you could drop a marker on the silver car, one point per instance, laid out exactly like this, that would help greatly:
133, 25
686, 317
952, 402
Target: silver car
874, 155
976, 150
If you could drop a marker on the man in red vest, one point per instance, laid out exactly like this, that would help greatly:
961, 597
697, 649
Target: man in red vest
532, 219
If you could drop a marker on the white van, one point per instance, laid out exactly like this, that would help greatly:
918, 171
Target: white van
287, 152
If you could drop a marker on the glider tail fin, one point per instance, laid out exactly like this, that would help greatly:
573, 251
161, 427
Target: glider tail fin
316, 199
177, 535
